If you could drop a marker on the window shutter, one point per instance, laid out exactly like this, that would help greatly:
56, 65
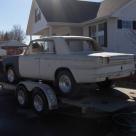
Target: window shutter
120, 24
134, 25
105, 35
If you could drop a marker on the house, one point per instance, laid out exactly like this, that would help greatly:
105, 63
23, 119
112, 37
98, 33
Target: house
12, 47
60, 17
112, 22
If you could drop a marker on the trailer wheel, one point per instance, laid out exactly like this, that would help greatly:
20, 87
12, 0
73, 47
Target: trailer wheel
23, 96
11, 75
66, 84
40, 103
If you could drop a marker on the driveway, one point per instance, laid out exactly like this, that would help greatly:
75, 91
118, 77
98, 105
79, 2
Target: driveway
22, 122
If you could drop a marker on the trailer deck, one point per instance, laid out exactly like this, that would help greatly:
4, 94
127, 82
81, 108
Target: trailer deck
114, 100
96, 101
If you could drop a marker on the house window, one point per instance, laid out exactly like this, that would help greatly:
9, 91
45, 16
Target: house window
126, 24
99, 33
102, 34
37, 15
92, 31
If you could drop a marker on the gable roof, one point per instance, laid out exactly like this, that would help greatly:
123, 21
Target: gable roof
108, 7
70, 11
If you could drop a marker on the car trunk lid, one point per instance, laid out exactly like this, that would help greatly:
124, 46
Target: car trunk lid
114, 58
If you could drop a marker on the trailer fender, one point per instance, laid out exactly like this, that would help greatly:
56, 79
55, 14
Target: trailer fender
50, 95
47, 90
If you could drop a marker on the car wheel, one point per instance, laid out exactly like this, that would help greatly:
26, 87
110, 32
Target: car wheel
11, 75
23, 96
105, 85
66, 84
40, 103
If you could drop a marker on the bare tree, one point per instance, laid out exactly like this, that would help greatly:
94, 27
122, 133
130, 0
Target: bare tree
17, 33
6, 36
2, 35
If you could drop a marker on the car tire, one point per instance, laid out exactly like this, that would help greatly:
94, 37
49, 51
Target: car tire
23, 96
11, 75
105, 85
66, 84
40, 102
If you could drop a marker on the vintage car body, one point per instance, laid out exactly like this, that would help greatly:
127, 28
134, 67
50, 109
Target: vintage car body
89, 66
85, 69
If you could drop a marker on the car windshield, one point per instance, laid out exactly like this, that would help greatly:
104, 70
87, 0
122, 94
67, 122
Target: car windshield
81, 46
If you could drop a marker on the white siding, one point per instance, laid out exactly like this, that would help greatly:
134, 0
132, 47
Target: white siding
128, 11
58, 30
112, 38
76, 31
86, 30
108, 7
40, 25
119, 40
122, 40
35, 27
66, 30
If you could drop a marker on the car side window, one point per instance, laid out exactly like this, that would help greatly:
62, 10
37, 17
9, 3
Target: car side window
49, 46
37, 47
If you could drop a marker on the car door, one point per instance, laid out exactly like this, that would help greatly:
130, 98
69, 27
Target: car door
47, 61
29, 64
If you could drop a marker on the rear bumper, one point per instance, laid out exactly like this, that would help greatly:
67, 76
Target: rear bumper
115, 75
101, 74
88, 78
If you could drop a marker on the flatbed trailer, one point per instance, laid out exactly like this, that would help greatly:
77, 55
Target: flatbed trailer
91, 103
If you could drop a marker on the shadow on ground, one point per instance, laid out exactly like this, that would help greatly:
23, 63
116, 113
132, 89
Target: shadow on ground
20, 122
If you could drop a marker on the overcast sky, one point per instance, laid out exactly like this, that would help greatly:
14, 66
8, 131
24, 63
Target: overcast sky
15, 12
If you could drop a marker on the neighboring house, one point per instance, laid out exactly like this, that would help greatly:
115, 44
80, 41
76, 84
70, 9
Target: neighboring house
12, 47
112, 23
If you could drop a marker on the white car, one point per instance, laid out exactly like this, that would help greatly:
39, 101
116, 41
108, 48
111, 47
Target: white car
69, 61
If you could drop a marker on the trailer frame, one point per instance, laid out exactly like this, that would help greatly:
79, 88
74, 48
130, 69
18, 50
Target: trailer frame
95, 104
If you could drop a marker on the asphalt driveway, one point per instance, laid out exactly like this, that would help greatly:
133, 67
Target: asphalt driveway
21, 122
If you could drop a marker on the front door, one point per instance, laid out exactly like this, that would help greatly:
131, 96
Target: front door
29, 66
29, 63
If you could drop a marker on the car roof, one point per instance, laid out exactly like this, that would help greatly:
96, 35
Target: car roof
65, 37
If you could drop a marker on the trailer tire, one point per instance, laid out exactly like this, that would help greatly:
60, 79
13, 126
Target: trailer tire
23, 96
11, 76
40, 102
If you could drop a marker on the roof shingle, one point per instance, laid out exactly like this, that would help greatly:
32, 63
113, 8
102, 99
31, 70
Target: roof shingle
70, 11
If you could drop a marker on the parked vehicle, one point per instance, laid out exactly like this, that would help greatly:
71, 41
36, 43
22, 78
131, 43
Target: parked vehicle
68, 61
